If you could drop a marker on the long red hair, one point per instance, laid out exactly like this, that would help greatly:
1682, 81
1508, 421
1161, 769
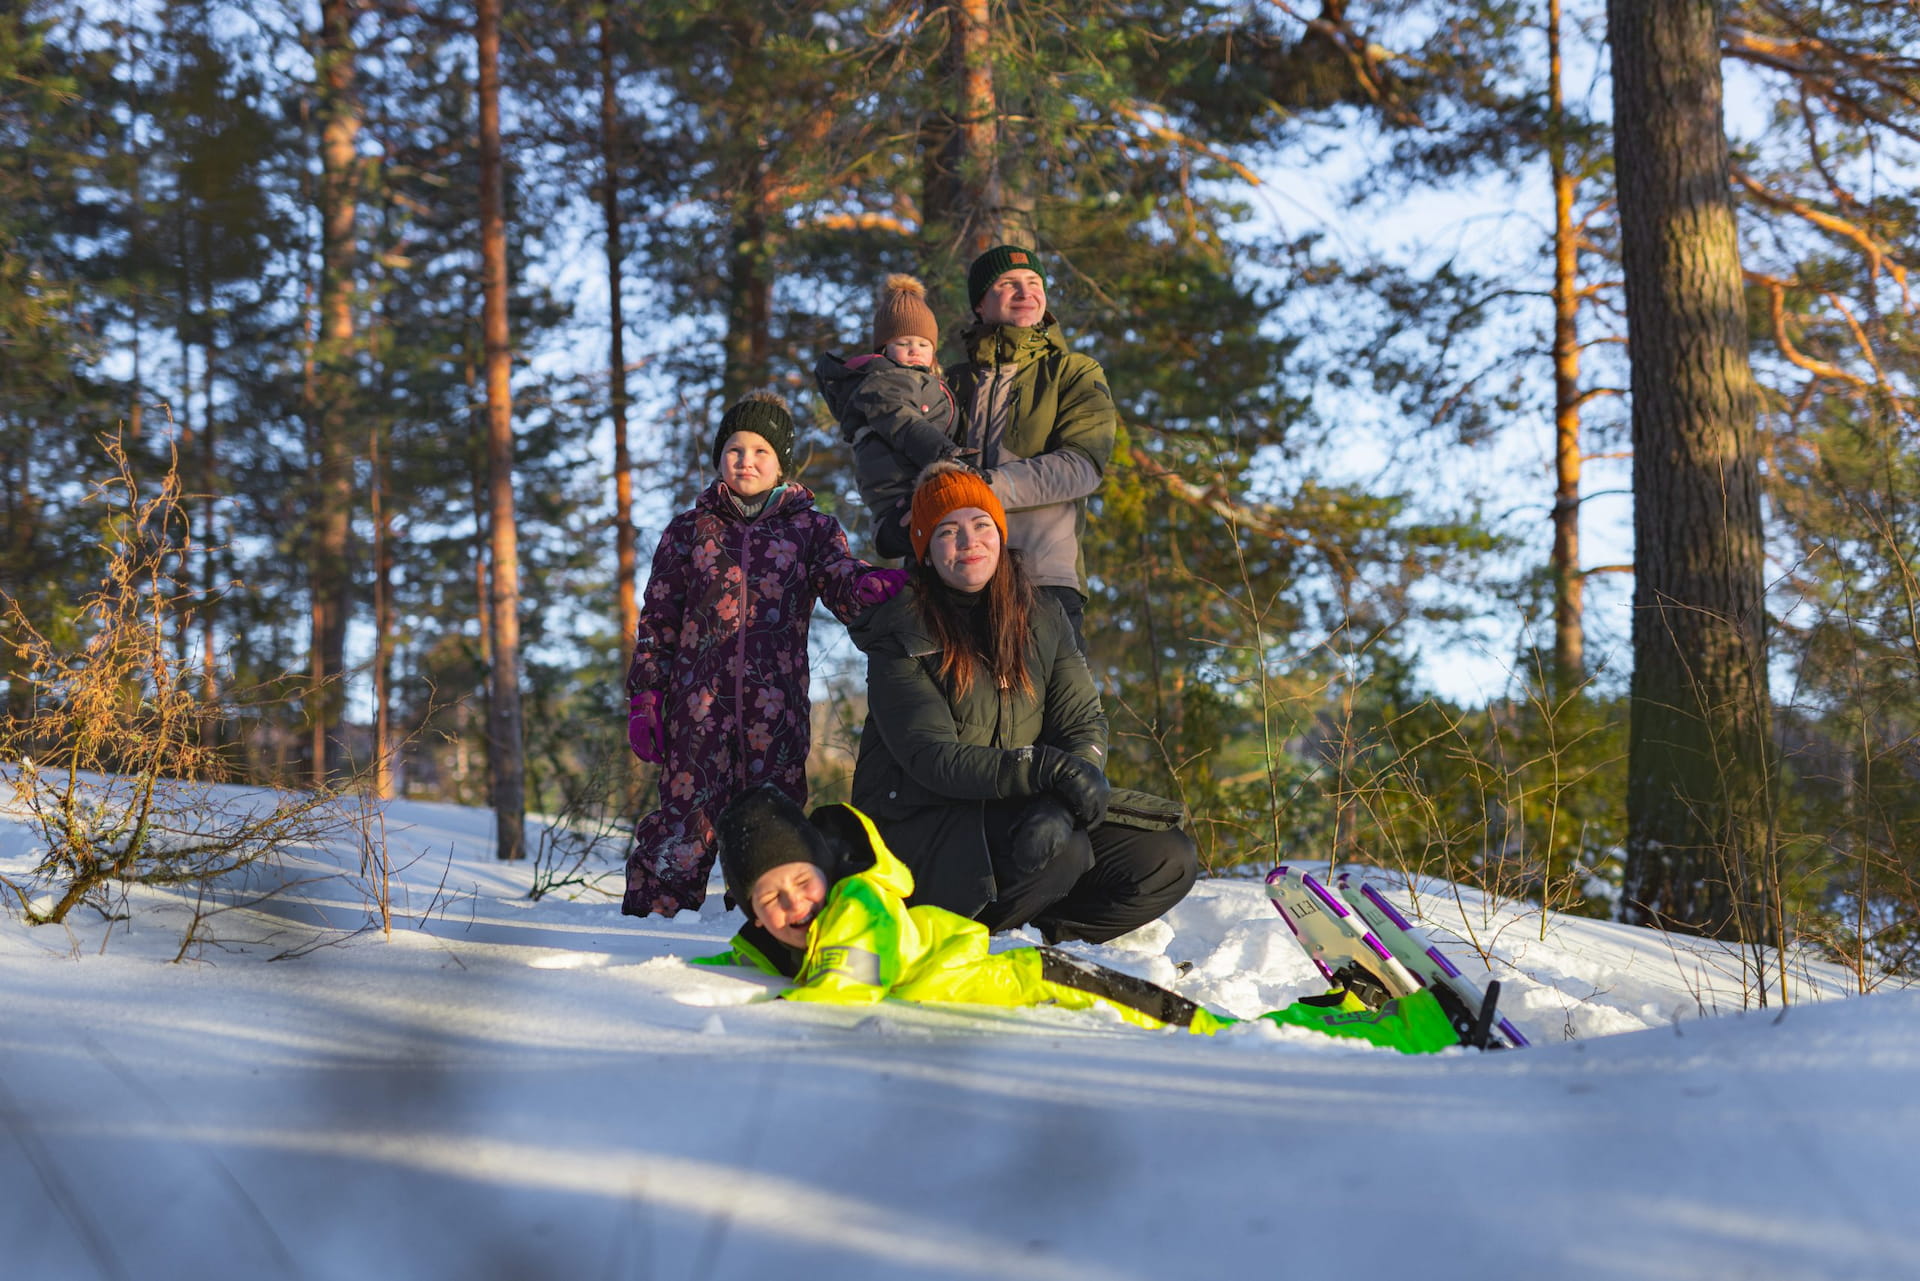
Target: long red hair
1009, 605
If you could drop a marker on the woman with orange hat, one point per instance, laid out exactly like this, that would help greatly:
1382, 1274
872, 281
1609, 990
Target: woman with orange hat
983, 756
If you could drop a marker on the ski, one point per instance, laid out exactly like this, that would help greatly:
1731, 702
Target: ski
1336, 940
1471, 1008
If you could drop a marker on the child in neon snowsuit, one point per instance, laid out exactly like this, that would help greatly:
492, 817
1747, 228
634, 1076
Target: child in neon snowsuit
717, 688
824, 900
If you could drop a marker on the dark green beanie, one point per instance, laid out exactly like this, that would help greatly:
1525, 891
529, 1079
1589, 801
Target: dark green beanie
765, 414
995, 263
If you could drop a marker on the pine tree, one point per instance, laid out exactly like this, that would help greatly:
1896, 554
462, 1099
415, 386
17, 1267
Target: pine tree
1700, 759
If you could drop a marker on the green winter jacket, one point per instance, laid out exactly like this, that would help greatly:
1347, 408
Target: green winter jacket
867, 945
929, 760
1043, 420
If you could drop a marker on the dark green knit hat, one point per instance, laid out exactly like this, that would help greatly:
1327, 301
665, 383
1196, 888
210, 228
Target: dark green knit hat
995, 263
766, 414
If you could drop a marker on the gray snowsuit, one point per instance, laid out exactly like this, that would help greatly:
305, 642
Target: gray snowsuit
898, 418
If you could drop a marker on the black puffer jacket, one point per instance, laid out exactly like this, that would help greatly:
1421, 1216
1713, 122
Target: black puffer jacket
898, 418
929, 761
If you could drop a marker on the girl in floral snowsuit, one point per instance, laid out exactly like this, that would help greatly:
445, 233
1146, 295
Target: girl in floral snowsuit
717, 690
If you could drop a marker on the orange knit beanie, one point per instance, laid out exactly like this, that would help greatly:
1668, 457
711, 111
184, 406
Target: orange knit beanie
947, 487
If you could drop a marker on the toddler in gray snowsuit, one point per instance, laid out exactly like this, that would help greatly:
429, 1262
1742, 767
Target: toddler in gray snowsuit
893, 408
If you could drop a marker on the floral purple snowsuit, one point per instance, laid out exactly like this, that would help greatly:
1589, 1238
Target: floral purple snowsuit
723, 641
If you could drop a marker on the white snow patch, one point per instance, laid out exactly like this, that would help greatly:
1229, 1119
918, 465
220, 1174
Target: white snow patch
508, 1087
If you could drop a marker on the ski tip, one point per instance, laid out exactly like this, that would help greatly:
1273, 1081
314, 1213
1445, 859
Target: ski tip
1333, 903
1379, 900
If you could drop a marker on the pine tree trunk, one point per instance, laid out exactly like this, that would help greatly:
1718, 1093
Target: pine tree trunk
382, 621
626, 563
507, 767
964, 197
1569, 638
749, 344
331, 579
209, 506
1699, 760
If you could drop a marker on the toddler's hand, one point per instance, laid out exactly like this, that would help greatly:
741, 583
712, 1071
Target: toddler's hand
646, 731
878, 586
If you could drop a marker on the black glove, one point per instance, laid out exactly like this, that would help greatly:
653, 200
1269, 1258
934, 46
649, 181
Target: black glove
1043, 827
1075, 780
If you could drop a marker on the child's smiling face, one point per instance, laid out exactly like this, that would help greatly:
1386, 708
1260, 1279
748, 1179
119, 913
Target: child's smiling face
786, 898
909, 349
748, 464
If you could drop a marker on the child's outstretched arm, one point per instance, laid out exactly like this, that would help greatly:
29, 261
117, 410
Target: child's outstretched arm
845, 584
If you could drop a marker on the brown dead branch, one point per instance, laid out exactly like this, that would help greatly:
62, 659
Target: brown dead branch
1880, 255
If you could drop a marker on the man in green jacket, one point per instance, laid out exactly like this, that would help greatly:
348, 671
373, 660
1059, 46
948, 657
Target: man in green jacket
825, 902
1040, 416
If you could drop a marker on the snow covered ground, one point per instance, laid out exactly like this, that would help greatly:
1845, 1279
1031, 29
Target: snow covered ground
512, 1089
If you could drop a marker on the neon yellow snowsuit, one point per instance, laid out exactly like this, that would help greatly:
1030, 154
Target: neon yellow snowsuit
867, 945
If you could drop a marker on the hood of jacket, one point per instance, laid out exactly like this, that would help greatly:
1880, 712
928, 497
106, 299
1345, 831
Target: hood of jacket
838, 379
790, 499
898, 618
1013, 344
867, 855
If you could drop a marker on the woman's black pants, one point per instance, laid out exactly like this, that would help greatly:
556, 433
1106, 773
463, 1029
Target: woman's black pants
1098, 885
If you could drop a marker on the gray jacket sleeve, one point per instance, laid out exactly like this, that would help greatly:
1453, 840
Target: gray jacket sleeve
1059, 476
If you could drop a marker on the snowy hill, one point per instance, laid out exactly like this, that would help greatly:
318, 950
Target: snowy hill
505, 1088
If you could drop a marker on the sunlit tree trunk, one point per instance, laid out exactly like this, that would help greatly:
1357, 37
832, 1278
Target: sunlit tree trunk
1699, 758
965, 200
382, 620
1569, 658
333, 500
506, 764
625, 558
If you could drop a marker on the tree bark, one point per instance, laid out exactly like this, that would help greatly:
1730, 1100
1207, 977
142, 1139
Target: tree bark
209, 507
1699, 756
1569, 637
626, 563
506, 764
749, 344
382, 621
331, 578
964, 201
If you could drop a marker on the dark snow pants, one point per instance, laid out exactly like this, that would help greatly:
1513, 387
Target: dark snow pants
1098, 885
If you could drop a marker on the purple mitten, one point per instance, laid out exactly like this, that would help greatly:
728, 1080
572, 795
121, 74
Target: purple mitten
878, 586
646, 732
